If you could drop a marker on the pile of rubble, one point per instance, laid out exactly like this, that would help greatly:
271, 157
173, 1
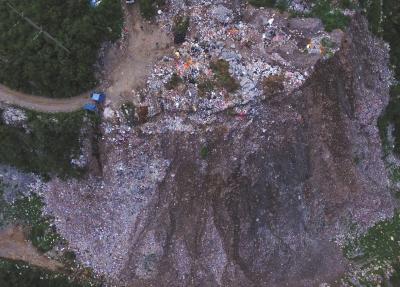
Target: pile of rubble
101, 218
263, 44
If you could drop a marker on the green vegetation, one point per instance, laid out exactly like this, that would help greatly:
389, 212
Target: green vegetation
32, 62
181, 26
327, 46
204, 87
378, 253
148, 8
263, 3
222, 76
204, 152
174, 82
20, 274
326, 10
46, 144
27, 211
384, 21
42, 233
332, 17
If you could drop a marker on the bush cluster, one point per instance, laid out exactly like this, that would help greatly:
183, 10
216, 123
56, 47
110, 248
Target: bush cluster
223, 78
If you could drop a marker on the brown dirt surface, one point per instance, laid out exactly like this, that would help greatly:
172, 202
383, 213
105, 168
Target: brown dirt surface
13, 245
126, 68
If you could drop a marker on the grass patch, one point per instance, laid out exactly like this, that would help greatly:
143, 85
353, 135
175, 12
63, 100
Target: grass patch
46, 143
222, 76
20, 274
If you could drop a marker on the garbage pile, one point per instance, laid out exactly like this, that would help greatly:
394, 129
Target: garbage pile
267, 54
269, 44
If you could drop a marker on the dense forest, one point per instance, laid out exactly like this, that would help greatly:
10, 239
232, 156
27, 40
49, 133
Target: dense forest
49, 47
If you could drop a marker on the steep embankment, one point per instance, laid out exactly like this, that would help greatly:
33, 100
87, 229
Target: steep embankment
249, 200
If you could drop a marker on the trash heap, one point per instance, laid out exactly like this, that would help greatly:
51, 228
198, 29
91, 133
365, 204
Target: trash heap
268, 55
264, 43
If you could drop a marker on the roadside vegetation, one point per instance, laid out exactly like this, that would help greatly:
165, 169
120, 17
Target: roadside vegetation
44, 143
57, 61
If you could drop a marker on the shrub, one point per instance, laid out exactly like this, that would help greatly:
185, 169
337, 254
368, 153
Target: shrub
262, 3
147, 8
282, 5
205, 87
204, 151
273, 84
181, 26
332, 18
222, 76
173, 82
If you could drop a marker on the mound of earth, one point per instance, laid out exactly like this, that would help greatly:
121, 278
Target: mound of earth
253, 187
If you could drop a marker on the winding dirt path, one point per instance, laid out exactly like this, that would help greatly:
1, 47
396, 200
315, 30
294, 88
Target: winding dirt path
126, 68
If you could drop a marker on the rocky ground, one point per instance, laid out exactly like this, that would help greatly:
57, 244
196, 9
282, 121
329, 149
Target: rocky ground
253, 187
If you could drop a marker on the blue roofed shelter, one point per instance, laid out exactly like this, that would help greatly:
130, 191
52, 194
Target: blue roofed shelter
90, 107
98, 97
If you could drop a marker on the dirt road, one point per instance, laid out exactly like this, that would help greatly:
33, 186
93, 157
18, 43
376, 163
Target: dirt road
125, 68
13, 245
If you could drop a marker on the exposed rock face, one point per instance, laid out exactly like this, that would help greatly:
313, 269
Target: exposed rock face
248, 200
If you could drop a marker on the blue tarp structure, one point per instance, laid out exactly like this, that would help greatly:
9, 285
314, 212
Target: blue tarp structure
98, 97
90, 107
